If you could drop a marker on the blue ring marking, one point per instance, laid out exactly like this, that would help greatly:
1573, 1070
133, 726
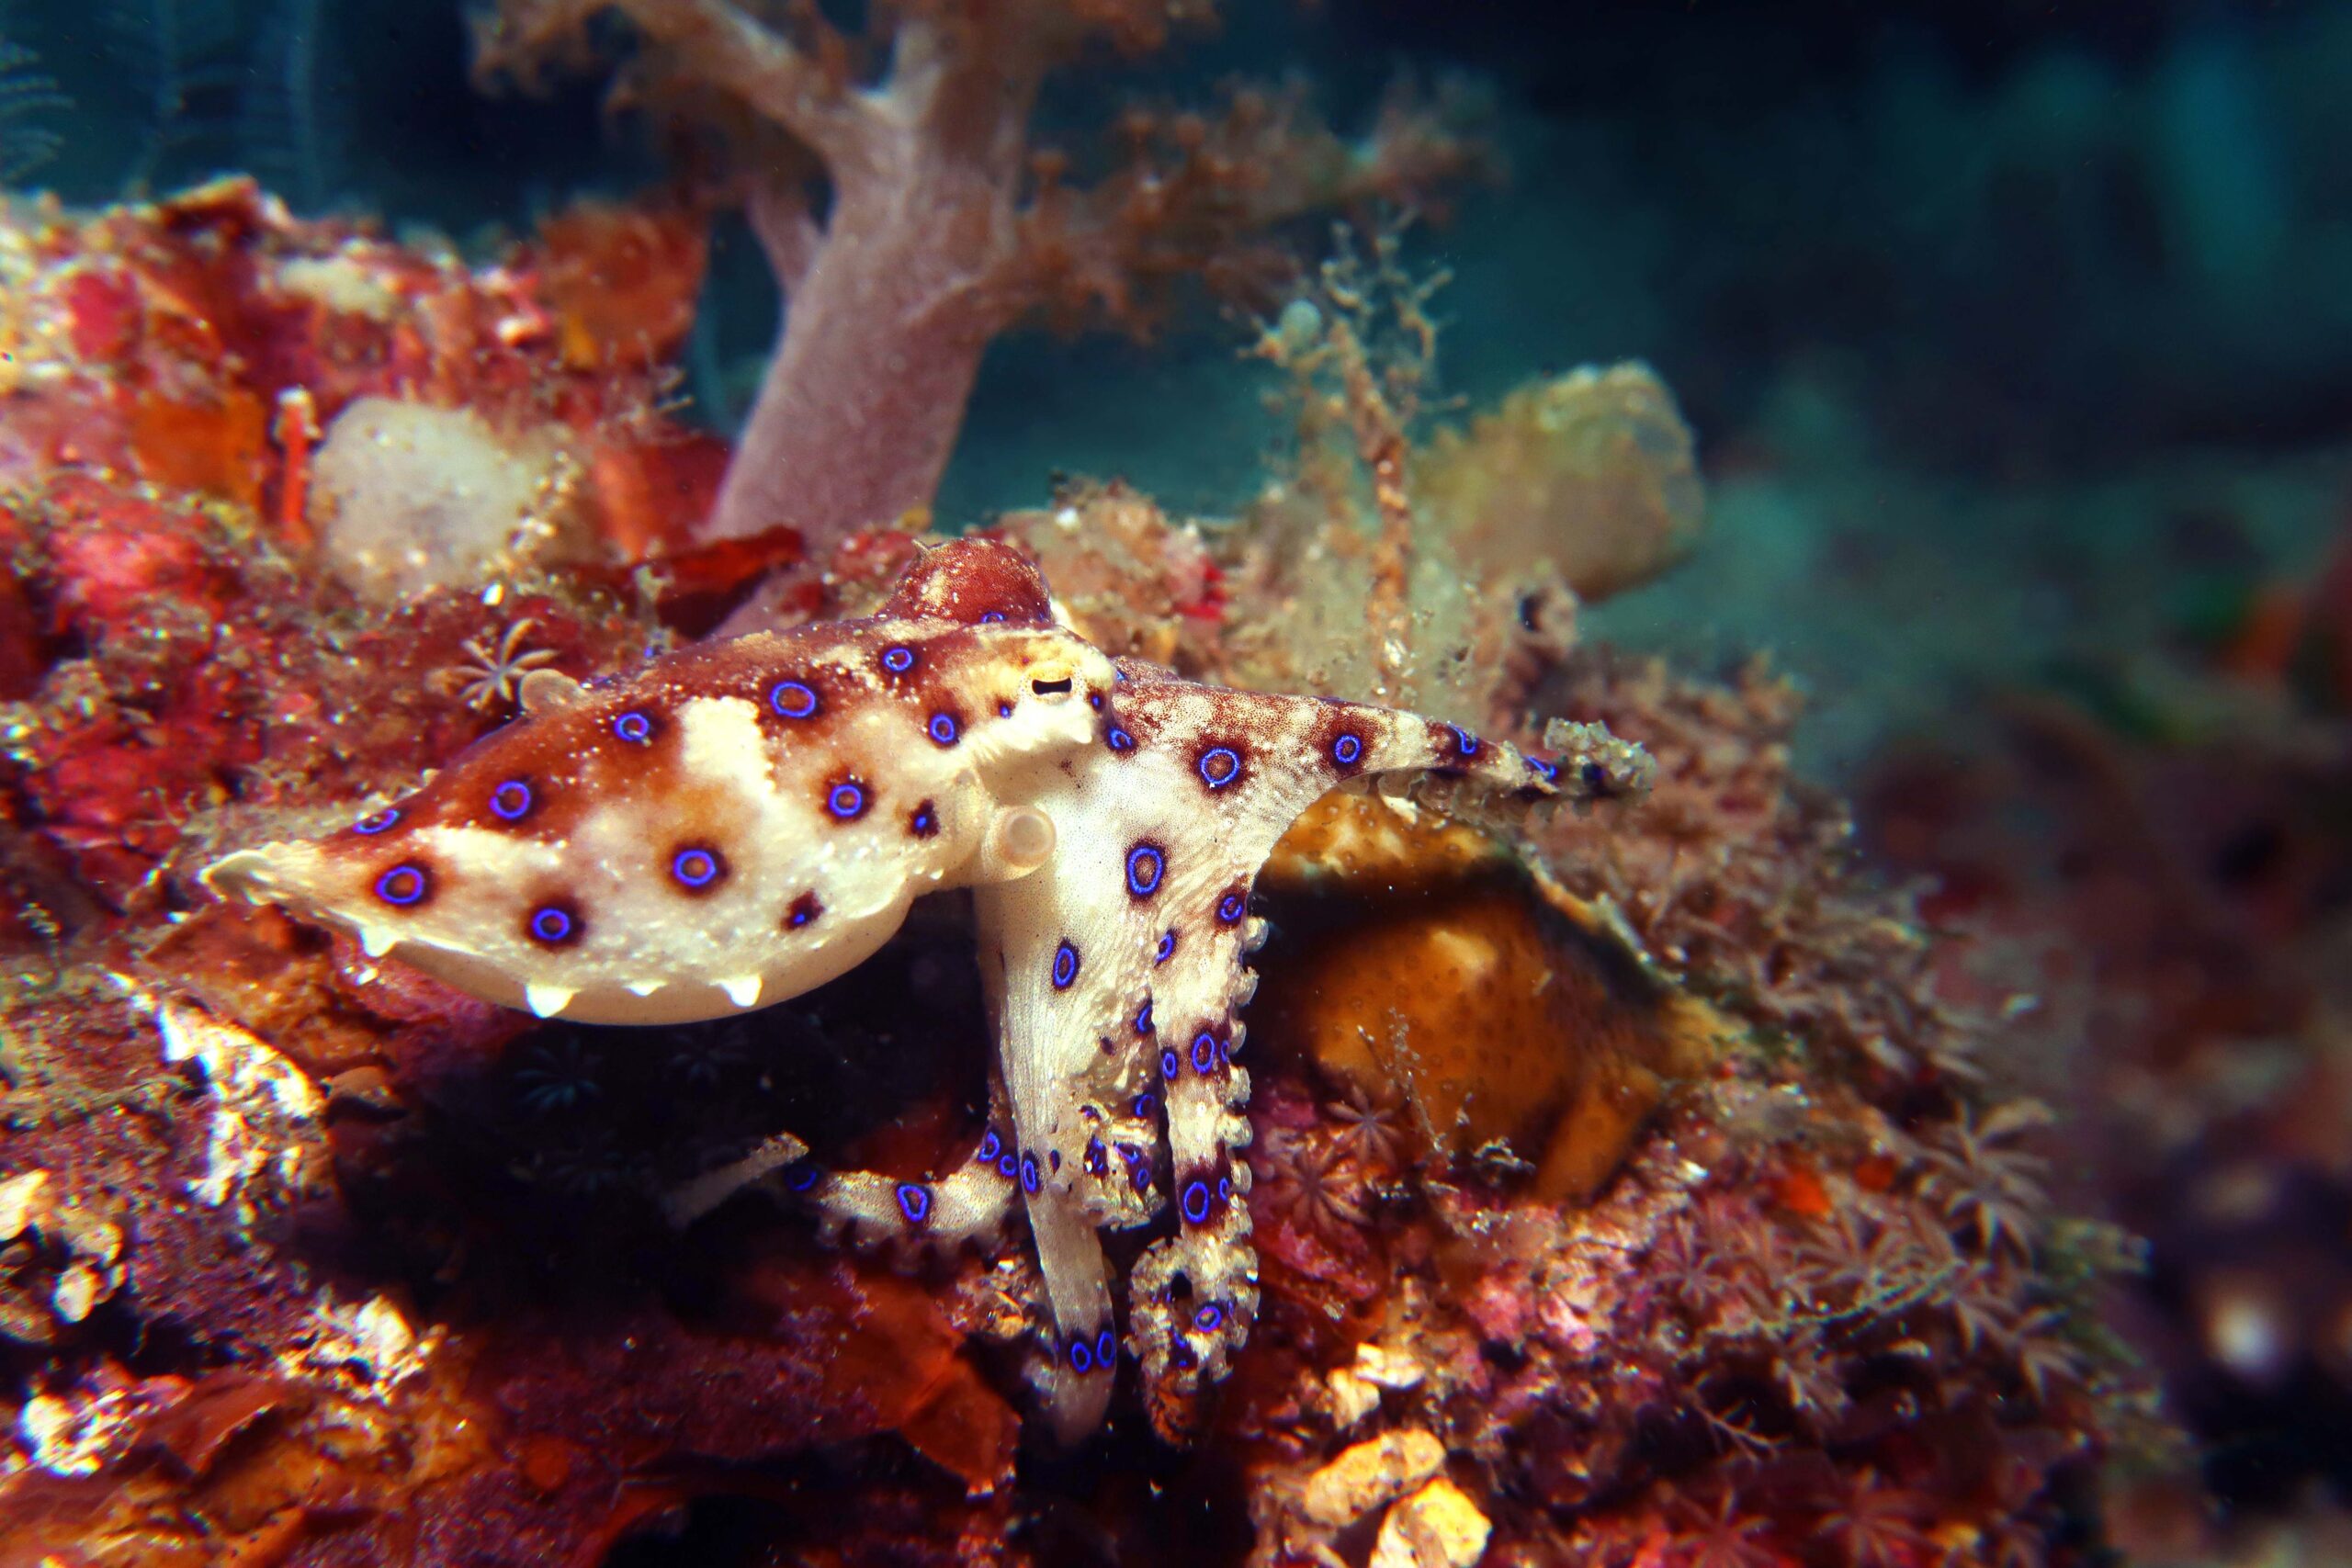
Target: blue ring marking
695, 868
550, 924
1169, 1066
1008, 1166
1094, 701
1029, 1173
1065, 967
802, 1176
403, 885
924, 822
1004, 710
1548, 772
1119, 739
1196, 1202
803, 909
989, 617
1225, 1190
1167, 946
1348, 750
1145, 1103
1054, 1161
511, 802
1145, 865
898, 659
914, 1201
1081, 1356
1231, 907
793, 699
989, 1144
1143, 1017
1596, 777
1219, 766
1203, 1050
634, 727
1106, 1349
1210, 1318
943, 729
1098, 1158
1463, 741
846, 800
376, 821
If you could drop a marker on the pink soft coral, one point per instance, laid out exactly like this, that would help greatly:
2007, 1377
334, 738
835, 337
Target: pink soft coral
909, 219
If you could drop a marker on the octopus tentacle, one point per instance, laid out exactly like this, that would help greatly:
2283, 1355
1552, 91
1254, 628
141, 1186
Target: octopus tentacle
737, 823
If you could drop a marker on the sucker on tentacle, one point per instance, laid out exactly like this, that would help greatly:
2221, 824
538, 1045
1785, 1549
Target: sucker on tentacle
737, 823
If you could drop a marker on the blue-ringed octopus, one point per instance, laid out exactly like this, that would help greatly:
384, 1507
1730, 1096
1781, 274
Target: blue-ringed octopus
736, 822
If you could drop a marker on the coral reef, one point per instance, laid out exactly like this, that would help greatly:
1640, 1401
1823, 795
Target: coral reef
909, 219
1694, 1218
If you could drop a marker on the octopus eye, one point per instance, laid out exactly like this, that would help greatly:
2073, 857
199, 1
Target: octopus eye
1081, 1356
697, 868
511, 802
1203, 1050
1065, 967
553, 924
793, 699
846, 800
914, 1201
376, 821
943, 729
1348, 750
1106, 1349
1196, 1201
1167, 947
898, 659
1211, 1317
403, 885
1119, 739
1146, 864
633, 726
1220, 765
1230, 908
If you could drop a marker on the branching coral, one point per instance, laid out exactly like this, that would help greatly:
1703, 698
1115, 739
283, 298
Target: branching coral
909, 218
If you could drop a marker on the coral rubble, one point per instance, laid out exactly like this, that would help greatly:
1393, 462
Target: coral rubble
1628, 1193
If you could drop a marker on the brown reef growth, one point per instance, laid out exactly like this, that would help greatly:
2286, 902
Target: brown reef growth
1676, 1217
